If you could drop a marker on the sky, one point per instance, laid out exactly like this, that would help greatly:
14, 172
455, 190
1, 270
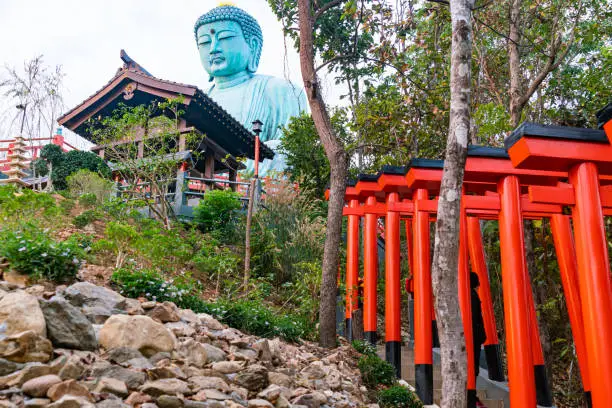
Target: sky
85, 38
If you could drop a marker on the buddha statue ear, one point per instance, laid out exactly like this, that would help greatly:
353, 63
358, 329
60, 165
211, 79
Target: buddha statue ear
255, 46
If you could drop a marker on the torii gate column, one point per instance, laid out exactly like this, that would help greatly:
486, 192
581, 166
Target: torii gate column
593, 279
423, 357
352, 268
392, 287
516, 311
370, 273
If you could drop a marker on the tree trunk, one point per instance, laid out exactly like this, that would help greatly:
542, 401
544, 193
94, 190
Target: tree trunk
247, 241
338, 162
516, 108
446, 252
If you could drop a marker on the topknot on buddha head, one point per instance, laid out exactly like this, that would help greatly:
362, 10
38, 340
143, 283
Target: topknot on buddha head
250, 27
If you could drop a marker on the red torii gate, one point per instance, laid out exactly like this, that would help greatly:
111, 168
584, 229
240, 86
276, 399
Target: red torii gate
423, 180
586, 156
510, 208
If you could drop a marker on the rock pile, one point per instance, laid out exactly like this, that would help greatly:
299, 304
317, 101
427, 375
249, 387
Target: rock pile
85, 345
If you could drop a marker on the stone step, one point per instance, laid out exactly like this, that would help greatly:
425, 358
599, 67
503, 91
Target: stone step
408, 374
493, 403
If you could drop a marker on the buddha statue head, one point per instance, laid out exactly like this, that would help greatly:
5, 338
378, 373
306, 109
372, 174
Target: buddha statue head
229, 41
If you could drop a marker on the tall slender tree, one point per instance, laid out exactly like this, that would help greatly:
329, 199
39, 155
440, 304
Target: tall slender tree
446, 250
338, 162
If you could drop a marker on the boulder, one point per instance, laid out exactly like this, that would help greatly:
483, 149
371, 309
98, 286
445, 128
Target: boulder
71, 401
7, 367
254, 378
192, 352
73, 369
181, 329
201, 383
133, 307
112, 403
19, 279
67, 326
122, 354
138, 332
214, 354
25, 347
111, 386
279, 379
96, 302
314, 371
133, 379
38, 387
37, 403
259, 403
170, 401
210, 322
159, 373
138, 398
20, 312
29, 371
215, 395
227, 367
68, 387
168, 386
188, 316
311, 400
164, 312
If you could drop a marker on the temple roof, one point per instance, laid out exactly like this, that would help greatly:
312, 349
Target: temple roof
132, 85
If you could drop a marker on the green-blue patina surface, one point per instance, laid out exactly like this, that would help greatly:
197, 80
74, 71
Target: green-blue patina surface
230, 42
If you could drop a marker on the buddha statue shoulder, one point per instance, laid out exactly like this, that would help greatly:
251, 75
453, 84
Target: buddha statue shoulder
230, 42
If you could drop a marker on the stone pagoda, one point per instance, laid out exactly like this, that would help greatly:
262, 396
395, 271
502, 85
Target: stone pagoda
18, 163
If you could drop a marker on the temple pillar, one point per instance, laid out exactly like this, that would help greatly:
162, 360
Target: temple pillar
566, 258
479, 266
516, 312
593, 279
370, 273
352, 267
392, 287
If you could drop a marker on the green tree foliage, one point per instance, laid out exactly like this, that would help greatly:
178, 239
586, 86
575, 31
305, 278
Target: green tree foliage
218, 212
63, 164
143, 142
76, 160
306, 160
87, 182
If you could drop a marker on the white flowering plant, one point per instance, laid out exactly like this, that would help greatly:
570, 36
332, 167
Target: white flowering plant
31, 251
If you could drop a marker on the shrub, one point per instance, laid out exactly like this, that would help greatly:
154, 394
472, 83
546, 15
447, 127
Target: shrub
150, 284
85, 218
30, 251
375, 371
254, 317
73, 161
85, 182
25, 205
66, 205
88, 200
121, 240
398, 397
251, 316
364, 347
218, 213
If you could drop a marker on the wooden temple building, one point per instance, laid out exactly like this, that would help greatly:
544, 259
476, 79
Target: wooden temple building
223, 139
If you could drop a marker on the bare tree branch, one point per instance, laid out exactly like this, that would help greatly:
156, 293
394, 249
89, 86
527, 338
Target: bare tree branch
326, 7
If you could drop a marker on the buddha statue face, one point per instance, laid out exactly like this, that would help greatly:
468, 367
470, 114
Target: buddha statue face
229, 41
223, 49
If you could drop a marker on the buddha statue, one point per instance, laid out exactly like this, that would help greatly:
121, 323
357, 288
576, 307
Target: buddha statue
230, 42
